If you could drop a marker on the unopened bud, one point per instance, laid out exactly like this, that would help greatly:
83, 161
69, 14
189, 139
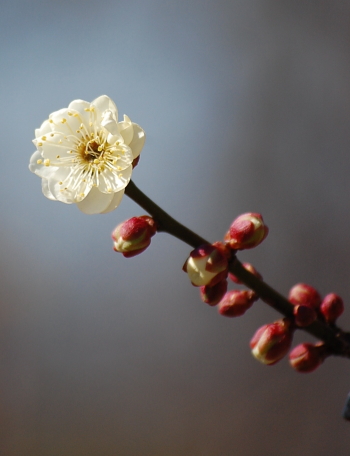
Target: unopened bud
236, 302
272, 342
247, 231
206, 265
304, 315
304, 295
134, 235
249, 267
307, 357
213, 295
332, 307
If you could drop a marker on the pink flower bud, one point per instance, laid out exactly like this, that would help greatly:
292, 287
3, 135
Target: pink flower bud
247, 231
332, 307
249, 267
206, 265
134, 235
236, 302
272, 342
305, 295
307, 357
304, 315
213, 295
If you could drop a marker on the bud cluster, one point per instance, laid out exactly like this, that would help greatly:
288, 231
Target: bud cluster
272, 342
207, 266
309, 305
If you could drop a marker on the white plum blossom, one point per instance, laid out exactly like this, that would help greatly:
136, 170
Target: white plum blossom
85, 156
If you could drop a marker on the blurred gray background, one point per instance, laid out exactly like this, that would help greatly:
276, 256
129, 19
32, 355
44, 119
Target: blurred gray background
246, 106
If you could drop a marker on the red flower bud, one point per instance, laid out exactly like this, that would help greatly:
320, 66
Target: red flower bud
304, 315
272, 342
305, 295
134, 235
332, 307
206, 265
213, 295
236, 302
249, 267
247, 231
307, 357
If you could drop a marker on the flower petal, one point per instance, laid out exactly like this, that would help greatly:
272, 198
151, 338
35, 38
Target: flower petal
126, 129
46, 190
56, 187
138, 140
109, 123
55, 146
79, 184
124, 156
114, 181
82, 108
36, 166
104, 103
115, 202
44, 129
68, 122
95, 202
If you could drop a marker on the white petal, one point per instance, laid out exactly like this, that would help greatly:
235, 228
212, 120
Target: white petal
56, 146
68, 122
138, 140
96, 202
126, 130
56, 187
109, 123
78, 184
46, 190
115, 202
83, 108
111, 139
104, 103
124, 156
44, 129
114, 181
33, 163
36, 165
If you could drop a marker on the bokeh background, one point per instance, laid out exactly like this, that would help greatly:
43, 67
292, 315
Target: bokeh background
246, 106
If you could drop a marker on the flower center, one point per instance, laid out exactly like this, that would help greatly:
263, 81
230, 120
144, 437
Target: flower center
91, 150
